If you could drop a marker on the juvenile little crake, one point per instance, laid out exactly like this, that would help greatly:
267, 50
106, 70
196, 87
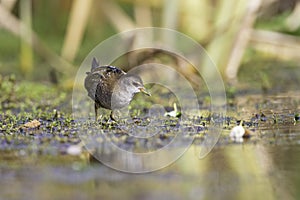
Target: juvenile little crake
111, 88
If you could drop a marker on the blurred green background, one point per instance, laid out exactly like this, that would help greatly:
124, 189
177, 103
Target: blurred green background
62, 33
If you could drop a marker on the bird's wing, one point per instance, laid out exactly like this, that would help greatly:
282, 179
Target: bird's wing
90, 83
104, 76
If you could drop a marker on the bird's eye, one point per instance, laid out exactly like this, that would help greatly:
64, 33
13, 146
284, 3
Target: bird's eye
135, 84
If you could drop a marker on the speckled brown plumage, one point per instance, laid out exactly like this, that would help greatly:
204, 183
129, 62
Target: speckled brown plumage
110, 87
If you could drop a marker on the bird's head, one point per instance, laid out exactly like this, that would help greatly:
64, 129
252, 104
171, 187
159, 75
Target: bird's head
133, 84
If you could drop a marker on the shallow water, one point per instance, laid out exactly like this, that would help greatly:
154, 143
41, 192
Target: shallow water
248, 171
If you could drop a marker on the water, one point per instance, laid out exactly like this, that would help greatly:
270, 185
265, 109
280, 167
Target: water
251, 171
266, 166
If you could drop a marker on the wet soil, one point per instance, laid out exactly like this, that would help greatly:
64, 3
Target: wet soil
42, 152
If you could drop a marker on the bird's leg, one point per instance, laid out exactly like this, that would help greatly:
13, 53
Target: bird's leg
96, 111
112, 116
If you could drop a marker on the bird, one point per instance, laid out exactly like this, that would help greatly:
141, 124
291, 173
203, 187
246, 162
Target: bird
111, 88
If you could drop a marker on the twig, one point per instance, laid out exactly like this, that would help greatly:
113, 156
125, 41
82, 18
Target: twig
13, 24
242, 39
143, 15
281, 45
8, 4
117, 16
76, 27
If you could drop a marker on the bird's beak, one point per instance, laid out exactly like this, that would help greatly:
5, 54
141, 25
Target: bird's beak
143, 90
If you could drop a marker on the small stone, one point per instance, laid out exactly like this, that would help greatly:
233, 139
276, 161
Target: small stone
237, 133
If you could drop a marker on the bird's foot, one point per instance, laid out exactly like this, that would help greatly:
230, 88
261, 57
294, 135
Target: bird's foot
112, 120
98, 118
111, 116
